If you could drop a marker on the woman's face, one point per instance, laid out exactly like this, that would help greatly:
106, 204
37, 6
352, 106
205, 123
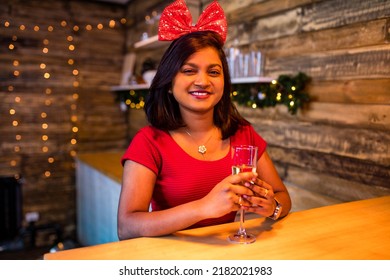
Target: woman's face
199, 84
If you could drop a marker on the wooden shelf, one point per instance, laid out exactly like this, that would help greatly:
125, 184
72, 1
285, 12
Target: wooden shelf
150, 43
243, 80
129, 87
252, 80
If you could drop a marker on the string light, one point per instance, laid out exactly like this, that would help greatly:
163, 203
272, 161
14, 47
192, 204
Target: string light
19, 30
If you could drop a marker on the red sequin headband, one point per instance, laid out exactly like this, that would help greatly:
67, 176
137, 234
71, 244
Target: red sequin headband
176, 21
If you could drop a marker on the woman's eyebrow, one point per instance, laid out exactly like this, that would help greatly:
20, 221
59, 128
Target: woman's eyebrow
209, 66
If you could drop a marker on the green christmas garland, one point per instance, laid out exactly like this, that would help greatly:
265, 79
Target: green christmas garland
286, 90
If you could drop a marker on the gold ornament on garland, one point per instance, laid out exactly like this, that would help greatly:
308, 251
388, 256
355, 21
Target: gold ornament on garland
286, 90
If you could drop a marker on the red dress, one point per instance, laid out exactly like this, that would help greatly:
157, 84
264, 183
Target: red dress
180, 177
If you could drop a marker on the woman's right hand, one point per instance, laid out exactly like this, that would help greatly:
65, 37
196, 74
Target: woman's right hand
225, 197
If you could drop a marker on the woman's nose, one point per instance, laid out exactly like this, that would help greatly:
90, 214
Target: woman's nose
202, 79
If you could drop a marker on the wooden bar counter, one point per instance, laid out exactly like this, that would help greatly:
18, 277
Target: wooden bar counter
358, 230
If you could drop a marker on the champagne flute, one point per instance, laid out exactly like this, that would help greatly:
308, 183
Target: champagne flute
244, 159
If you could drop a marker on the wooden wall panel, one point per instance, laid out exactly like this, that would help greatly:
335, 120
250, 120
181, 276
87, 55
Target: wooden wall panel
339, 144
69, 100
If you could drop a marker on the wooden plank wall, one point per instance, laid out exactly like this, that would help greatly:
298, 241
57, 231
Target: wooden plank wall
340, 144
77, 106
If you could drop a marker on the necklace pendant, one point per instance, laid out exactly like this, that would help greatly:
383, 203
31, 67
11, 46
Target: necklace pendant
202, 149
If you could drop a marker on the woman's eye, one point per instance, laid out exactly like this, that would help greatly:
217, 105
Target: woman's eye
214, 72
188, 71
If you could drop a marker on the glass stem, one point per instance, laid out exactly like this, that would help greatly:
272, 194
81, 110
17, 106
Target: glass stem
242, 231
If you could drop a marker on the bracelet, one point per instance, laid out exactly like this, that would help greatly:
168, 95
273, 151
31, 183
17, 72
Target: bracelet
277, 211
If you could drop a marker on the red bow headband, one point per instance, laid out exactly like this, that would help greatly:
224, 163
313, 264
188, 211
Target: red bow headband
176, 21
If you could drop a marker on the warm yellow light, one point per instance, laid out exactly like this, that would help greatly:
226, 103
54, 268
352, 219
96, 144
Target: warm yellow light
16, 73
100, 26
12, 163
48, 91
64, 23
73, 141
112, 23
69, 38
50, 28
70, 61
73, 153
45, 149
45, 137
75, 129
47, 174
15, 123
128, 101
292, 104
18, 137
76, 28
17, 149
293, 88
6, 24
11, 46
45, 126
123, 20
46, 75
43, 115
50, 159
88, 27
16, 63
45, 42
71, 47
73, 118
22, 27
75, 72
45, 50
254, 105
274, 82
17, 99
75, 96
12, 111
10, 88
48, 102
36, 28
42, 66
76, 84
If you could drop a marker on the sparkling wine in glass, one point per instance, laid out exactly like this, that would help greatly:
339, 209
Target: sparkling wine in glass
244, 160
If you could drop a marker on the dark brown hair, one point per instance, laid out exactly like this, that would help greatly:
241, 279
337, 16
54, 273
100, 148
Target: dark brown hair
162, 109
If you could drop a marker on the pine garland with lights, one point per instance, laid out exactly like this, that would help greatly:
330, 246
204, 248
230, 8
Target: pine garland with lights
286, 90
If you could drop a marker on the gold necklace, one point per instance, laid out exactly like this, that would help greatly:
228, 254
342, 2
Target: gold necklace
201, 148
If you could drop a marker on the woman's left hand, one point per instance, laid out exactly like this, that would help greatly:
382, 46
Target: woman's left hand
263, 202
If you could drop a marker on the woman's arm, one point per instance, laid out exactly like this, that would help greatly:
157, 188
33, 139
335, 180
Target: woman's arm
267, 188
134, 218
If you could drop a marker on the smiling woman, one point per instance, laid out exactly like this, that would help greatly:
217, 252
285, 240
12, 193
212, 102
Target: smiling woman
181, 163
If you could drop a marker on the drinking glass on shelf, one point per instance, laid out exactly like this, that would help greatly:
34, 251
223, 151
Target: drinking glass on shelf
244, 160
